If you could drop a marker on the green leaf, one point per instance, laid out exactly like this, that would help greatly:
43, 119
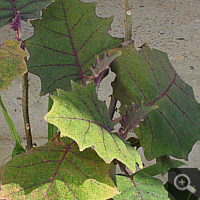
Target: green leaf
164, 163
28, 9
57, 171
149, 188
12, 64
81, 116
17, 150
174, 127
65, 43
18, 146
150, 171
51, 128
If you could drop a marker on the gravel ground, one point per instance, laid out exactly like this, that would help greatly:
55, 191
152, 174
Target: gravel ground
172, 26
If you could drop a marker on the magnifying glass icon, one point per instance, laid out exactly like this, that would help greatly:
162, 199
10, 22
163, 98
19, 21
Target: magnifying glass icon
182, 182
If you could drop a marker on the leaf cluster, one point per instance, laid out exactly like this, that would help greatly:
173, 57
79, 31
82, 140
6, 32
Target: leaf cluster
71, 51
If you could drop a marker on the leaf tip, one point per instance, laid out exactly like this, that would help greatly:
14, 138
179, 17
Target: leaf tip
45, 119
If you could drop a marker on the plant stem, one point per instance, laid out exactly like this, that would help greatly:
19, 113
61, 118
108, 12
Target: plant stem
25, 111
128, 20
112, 106
129, 176
117, 119
128, 35
27, 125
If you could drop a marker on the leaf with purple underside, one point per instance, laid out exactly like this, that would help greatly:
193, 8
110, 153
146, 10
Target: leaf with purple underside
101, 66
132, 118
80, 115
12, 63
65, 43
174, 127
28, 9
57, 171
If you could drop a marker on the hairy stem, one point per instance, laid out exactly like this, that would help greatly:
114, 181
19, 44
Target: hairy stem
117, 119
129, 176
112, 106
128, 35
128, 20
25, 107
25, 111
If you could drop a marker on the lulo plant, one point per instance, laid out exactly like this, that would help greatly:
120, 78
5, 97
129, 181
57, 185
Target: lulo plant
72, 52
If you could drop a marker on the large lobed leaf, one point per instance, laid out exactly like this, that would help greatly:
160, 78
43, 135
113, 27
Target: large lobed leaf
28, 9
65, 43
81, 116
12, 63
57, 171
174, 127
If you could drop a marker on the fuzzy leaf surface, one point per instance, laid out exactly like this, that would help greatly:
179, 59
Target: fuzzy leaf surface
172, 128
80, 115
28, 9
12, 63
57, 171
65, 43
149, 188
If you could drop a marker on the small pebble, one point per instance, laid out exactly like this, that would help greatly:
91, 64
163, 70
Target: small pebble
191, 67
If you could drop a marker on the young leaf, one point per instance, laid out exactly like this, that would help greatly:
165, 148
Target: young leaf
80, 115
56, 171
149, 188
174, 127
28, 9
16, 26
133, 117
65, 43
12, 64
101, 66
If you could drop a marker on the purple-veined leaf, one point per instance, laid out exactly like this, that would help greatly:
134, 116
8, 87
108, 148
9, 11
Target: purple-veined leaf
65, 43
101, 66
174, 127
133, 117
80, 115
28, 9
12, 63
57, 171
149, 188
